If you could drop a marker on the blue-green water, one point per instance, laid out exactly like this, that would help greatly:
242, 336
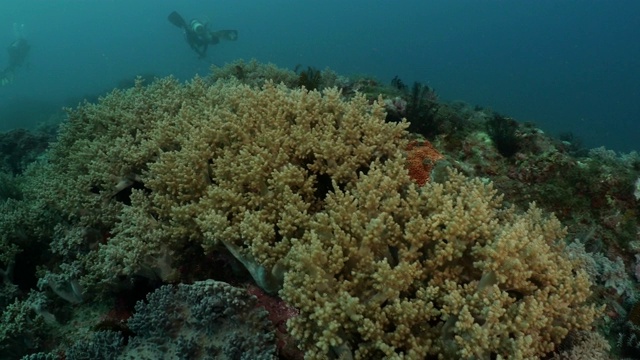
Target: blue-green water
568, 66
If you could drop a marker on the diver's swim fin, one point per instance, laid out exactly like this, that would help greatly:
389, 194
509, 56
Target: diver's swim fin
177, 20
229, 35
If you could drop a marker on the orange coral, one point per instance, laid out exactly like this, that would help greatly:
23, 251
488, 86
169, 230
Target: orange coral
421, 157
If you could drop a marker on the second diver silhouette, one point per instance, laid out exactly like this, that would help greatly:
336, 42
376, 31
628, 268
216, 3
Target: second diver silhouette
18, 51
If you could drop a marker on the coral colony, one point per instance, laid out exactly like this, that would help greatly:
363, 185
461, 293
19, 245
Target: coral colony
262, 213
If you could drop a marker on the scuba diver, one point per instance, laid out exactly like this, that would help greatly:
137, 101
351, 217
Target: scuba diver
18, 51
198, 36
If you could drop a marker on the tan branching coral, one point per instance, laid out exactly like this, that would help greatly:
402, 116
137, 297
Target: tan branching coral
313, 188
285, 148
390, 271
254, 73
226, 164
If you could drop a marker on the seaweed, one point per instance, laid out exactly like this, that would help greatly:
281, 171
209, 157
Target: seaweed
502, 131
309, 78
422, 111
397, 83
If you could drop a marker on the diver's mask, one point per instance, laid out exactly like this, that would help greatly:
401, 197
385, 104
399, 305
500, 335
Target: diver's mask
197, 27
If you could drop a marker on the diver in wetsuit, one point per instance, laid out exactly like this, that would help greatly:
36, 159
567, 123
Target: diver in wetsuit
18, 51
198, 36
